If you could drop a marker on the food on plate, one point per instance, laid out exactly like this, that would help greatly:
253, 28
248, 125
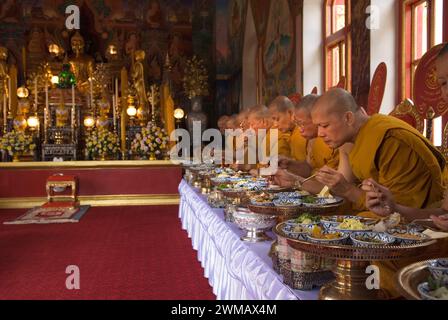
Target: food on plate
352, 224
309, 200
325, 193
307, 218
409, 236
318, 233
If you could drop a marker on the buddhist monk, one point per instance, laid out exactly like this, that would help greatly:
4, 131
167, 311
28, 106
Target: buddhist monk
385, 149
282, 114
318, 154
380, 200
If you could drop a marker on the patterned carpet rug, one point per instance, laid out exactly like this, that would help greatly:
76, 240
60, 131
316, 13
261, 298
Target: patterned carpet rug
40, 215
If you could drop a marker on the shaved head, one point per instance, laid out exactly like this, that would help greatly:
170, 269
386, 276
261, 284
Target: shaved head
281, 104
307, 102
338, 117
337, 100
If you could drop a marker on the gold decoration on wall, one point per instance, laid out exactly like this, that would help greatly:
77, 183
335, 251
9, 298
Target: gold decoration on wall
195, 80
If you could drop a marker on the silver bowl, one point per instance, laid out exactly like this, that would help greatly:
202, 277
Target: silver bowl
254, 224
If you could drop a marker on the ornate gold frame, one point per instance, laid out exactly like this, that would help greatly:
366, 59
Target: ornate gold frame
98, 201
87, 164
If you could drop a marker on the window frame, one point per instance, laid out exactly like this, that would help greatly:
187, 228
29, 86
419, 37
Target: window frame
408, 62
332, 40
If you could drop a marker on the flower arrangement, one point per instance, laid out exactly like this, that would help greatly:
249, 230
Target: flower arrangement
195, 79
16, 143
152, 141
102, 142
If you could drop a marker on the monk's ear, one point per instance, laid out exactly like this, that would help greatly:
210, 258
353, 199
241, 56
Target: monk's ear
349, 118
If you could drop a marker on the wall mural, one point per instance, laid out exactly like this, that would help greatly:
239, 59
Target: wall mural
278, 52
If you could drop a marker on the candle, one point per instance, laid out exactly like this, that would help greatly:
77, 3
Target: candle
113, 113
73, 96
9, 94
5, 114
46, 96
91, 91
35, 93
152, 102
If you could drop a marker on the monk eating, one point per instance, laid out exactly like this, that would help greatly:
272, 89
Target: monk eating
385, 148
379, 198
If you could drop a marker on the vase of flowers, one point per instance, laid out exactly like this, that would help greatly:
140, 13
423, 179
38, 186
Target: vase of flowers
16, 144
195, 83
150, 143
101, 143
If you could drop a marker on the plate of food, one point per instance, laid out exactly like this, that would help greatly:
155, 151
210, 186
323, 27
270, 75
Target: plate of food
306, 219
287, 202
327, 237
351, 225
263, 199
407, 237
439, 270
315, 201
296, 231
367, 239
331, 222
431, 292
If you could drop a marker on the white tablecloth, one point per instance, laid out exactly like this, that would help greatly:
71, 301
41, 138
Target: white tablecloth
236, 270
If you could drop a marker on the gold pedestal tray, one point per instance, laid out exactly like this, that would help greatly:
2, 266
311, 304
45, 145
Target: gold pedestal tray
351, 264
409, 277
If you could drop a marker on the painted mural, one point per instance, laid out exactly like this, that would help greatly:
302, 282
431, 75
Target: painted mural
278, 51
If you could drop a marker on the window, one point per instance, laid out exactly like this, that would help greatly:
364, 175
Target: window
422, 28
337, 23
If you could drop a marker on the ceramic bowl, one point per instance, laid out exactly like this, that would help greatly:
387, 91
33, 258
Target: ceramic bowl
439, 270
368, 239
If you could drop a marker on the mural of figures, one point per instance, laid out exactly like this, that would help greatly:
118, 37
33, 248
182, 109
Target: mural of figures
279, 43
236, 23
278, 57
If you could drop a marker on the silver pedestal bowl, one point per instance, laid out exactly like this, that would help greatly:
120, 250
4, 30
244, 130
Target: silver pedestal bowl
254, 224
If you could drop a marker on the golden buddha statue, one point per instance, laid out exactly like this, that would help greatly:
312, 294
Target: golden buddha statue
82, 65
138, 76
23, 108
104, 109
62, 116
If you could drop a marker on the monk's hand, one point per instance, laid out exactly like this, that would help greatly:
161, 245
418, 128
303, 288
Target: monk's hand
441, 222
283, 162
379, 199
284, 178
334, 180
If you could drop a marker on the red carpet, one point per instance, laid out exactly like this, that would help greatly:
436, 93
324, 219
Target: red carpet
122, 253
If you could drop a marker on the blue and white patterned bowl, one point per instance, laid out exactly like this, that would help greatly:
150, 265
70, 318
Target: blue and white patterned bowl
291, 231
402, 236
343, 239
425, 292
439, 270
364, 239
287, 202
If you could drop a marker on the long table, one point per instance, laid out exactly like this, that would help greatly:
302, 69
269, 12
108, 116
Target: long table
236, 270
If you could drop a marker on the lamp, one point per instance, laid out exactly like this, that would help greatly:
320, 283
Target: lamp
23, 92
112, 50
33, 122
131, 111
89, 122
54, 80
178, 114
